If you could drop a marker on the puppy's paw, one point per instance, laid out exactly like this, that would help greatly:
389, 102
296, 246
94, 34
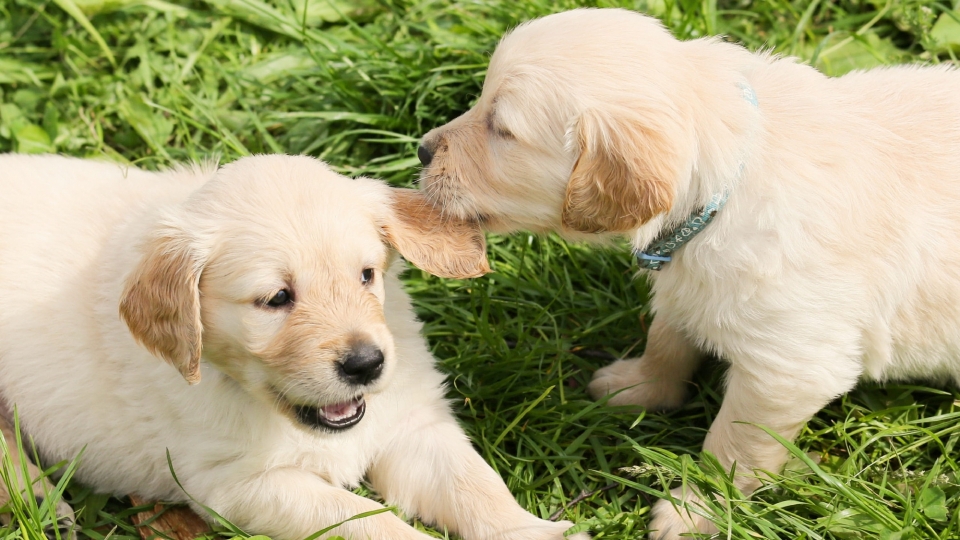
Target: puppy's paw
65, 525
671, 520
63, 531
637, 389
544, 530
565, 527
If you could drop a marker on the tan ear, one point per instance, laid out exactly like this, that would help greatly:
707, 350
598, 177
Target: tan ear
438, 244
624, 176
161, 302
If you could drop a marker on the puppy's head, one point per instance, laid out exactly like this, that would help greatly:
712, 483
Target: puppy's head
274, 272
589, 121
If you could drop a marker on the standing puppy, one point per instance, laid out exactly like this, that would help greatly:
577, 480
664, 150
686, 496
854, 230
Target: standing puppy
268, 286
804, 228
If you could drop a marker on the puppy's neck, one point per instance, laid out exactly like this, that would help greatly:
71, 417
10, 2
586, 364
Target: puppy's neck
727, 113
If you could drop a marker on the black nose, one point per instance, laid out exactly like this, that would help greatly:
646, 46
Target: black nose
425, 156
362, 365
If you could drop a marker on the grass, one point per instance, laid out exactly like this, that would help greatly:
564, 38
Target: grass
28, 516
356, 83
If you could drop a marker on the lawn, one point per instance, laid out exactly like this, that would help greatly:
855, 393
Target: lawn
356, 82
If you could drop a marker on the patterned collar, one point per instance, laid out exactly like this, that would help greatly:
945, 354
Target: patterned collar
658, 253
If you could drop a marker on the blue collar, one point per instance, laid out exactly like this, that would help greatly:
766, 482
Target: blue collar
658, 253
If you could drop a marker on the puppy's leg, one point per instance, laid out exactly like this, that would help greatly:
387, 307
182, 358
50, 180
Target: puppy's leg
656, 380
290, 504
40, 488
431, 470
777, 394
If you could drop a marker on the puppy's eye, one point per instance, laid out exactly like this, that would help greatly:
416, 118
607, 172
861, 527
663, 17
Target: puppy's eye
282, 298
366, 277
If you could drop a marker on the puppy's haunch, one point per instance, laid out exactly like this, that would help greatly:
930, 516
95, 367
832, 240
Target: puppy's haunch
267, 284
835, 255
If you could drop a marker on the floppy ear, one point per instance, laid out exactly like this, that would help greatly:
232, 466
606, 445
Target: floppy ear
161, 301
438, 244
625, 174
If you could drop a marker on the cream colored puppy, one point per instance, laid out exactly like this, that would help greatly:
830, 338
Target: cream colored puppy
268, 286
836, 256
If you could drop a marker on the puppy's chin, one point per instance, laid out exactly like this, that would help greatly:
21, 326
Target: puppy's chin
504, 225
494, 224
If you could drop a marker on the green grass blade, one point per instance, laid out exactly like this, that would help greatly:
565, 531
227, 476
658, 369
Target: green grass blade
74, 11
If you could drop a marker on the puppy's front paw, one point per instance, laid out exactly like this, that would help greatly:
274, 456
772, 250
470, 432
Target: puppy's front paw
65, 530
566, 526
671, 520
544, 530
559, 528
66, 521
637, 388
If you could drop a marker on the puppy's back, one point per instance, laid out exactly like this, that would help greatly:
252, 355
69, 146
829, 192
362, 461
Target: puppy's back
56, 205
39, 190
57, 216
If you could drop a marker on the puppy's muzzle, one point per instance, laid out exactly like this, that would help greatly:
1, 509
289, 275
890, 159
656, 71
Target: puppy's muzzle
363, 364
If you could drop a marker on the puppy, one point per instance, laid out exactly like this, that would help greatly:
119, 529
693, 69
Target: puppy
268, 286
805, 229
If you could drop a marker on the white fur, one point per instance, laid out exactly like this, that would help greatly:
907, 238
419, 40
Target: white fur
836, 258
71, 232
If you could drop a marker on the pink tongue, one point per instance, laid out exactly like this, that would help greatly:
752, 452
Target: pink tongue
340, 410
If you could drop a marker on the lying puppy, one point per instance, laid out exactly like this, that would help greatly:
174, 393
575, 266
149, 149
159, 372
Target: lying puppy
268, 286
804, 228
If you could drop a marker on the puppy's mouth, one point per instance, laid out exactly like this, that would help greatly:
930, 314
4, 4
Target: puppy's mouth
455, 205
442, 192
334, 417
